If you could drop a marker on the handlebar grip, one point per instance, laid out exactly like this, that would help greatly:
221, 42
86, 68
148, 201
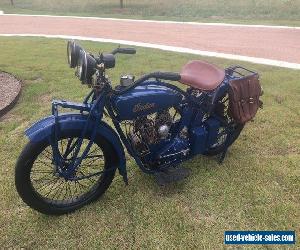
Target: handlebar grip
167, 76
126, 50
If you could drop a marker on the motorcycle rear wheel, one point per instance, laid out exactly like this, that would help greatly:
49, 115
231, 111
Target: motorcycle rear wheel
222, 109
43, 190
219, 147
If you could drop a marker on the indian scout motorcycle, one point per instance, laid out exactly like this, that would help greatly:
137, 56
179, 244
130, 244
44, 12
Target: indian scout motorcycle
71, 158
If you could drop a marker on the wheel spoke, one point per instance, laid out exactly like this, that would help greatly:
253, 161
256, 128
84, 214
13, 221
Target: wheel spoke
80, 184
57, 191
42, 179
47, 155
94, 151
43, 187
94, 156
89, 179
41, 171
90, 162
51, 188
69, 190
44, 163
75, 185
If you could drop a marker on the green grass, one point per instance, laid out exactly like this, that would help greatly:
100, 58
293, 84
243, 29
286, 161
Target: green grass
281, 12
257, 187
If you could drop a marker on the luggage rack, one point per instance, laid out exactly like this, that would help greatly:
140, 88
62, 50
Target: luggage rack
231, 73
236, 72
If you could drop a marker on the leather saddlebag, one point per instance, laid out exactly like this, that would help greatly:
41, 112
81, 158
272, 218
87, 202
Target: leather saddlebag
244, 96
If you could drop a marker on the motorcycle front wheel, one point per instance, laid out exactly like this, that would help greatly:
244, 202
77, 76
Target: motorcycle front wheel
43, 189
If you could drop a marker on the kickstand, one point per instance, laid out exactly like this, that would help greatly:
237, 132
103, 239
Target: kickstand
222, 155
226, 146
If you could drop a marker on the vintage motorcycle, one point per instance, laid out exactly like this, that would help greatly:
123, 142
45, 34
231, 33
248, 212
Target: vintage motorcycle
71, 158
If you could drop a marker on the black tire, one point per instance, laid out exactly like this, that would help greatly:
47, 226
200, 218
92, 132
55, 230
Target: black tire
33, 197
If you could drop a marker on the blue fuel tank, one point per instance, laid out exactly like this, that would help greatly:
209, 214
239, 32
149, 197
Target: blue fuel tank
145, 99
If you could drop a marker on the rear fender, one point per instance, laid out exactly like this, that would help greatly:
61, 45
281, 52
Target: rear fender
43, 129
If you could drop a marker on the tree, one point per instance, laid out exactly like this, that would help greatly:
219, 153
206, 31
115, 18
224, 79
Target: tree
121, 4
12, 2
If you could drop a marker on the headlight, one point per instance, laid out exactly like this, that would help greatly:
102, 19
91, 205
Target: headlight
73, 51
86, 67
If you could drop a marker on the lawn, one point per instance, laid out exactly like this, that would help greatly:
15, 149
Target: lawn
256, 188
282, 12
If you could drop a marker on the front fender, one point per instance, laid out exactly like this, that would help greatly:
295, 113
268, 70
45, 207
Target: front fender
43, 129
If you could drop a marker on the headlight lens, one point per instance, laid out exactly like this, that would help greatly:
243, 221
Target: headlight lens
86, 67
73, 51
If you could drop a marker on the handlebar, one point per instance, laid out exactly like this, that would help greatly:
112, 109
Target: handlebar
171, 76
124, 51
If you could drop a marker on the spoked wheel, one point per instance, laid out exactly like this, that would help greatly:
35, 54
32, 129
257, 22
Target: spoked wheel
235, 129
42, 187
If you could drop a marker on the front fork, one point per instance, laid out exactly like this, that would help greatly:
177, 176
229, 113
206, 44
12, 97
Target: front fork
95, 113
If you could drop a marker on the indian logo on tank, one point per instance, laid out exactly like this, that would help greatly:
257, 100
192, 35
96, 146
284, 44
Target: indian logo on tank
143, 107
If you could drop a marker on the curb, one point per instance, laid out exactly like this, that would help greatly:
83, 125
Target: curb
15, 100
160, 21
255, 60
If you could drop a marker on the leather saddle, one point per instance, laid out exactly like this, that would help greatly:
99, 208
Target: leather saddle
201, 75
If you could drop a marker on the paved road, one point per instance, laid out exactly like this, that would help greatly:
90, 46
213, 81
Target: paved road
271, 43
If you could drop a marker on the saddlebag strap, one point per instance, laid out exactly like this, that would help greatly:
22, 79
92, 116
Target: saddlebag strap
244, 96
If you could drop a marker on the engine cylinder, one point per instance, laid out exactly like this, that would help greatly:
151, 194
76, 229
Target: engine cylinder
163, 131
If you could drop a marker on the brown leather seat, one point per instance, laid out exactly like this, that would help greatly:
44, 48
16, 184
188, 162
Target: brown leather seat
201, 75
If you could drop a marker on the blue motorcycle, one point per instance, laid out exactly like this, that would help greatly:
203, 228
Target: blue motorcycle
71, 158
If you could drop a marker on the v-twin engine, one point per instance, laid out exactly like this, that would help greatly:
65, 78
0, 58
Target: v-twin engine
148, 130
154, 139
